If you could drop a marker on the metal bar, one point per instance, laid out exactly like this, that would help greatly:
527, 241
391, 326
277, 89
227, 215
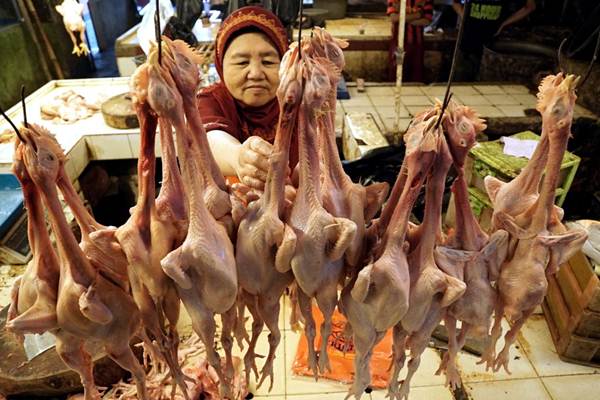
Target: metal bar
399, 60
461, 30
157, 31
23, 106
300, 30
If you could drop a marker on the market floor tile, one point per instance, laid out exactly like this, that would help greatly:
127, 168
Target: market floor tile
580, 387
537, 343
521, 389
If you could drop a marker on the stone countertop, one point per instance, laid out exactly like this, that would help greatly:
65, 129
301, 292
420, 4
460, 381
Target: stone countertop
127, 45
372, 28
84, 140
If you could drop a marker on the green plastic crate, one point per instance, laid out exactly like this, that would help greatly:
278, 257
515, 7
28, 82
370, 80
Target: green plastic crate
487, 158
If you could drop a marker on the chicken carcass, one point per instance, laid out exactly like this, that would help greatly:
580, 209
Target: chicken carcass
375, 233
263, 238
431, 289
341, 197
72, 13
203, 266
89, 307
322, 239
536, 250
377, 298
475, 308
98, 242
154, 228
33, 295
183, 63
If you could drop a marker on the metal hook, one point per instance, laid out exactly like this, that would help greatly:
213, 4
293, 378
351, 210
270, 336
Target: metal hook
444, 106
23, 106
461, 30
559, 55
157, 31
13, 125
590, 66
300, 30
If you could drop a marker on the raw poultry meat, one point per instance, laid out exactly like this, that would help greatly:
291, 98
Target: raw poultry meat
183, 66
98, 242
34, 294
342, 197
72, 13
264, 240
538, 244
7, 136
203, 266
69, 107
191, 357
154, 228
475, 308
431, 289
377, 298
322, 239
89, 307
375, 233
124, 282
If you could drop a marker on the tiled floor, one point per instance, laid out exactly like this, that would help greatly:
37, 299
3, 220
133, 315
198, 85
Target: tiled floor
489, 100
537, 373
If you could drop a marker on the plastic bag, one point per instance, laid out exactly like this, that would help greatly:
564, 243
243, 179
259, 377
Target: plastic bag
146, 32
342, 365
591, 247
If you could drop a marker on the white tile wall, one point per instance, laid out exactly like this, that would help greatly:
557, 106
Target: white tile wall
109, 147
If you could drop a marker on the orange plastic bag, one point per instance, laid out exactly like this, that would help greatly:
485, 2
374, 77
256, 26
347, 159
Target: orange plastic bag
342, 366
231, 179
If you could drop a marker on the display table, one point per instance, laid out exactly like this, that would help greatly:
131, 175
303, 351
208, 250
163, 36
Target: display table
85, 140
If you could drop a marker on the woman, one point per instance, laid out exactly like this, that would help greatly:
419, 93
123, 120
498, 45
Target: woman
240, 113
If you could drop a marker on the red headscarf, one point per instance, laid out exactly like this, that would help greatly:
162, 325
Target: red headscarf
218, 108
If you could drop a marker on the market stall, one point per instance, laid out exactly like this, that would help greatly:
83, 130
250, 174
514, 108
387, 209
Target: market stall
242, 218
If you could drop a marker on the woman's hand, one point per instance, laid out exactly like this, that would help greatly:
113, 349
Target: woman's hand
254, 162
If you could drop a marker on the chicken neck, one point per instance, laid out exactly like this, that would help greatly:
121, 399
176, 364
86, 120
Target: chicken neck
146, 172
309, 174
171, 193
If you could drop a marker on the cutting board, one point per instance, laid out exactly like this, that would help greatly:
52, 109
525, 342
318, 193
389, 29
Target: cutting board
46, 374
119, 113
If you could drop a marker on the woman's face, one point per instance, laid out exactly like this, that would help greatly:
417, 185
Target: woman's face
251, 69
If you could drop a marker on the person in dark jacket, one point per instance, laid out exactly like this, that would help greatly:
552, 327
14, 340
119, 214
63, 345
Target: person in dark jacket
485, 21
